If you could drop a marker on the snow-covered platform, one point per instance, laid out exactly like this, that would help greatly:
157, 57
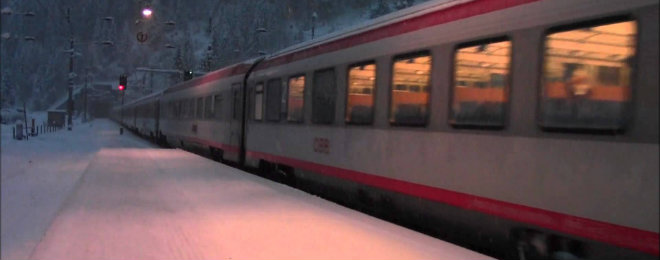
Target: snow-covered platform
93, 194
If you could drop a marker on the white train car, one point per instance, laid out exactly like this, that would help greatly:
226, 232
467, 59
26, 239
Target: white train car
523, 129
141, 115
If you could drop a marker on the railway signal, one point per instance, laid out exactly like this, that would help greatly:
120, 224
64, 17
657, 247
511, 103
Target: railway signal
122, 82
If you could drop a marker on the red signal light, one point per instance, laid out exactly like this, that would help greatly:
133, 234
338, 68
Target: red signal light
121, 87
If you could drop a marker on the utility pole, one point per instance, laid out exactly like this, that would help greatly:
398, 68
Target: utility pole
70, 102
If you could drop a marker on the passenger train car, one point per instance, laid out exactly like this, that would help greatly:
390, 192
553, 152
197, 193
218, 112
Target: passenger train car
519, 128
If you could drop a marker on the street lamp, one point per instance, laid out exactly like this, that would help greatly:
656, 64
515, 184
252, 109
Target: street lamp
146, 12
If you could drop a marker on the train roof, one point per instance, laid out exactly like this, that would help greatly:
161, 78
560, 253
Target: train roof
143, 98
368, 25
407, 20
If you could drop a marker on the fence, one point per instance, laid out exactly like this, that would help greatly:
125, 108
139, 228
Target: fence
18, 133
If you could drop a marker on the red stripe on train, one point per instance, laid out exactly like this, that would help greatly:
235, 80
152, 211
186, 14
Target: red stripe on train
617, 235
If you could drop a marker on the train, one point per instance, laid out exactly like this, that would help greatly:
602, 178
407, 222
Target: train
523, 129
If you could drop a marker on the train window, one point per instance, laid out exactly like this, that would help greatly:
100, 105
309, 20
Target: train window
184, 108
191, 108
208, 107
295, 100
360, 98
200, 108
410, 97
258, 101
168, 112
480, 91
235, 103
175, 109
273, 100
179, 108
217, 106
586, 76
324, 93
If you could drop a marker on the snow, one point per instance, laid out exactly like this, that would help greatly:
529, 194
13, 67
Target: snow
93, 194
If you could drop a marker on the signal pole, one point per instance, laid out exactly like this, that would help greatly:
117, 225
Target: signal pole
121, 121
123, 82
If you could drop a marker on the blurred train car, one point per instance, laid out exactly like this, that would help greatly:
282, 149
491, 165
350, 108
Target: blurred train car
523, 129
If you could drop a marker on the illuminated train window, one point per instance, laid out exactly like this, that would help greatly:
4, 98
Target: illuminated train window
410, 84
480, 85
586, 76
360, 99
324, 93
295, 100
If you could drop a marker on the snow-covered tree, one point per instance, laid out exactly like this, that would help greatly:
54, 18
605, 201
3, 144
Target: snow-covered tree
38, 70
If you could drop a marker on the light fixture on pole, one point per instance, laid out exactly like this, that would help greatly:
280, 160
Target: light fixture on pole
147, 12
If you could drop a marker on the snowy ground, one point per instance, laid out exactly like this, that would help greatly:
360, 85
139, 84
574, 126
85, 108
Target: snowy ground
92, 194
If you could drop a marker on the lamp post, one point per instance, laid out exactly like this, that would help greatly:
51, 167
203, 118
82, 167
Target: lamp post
260, 30
314, 16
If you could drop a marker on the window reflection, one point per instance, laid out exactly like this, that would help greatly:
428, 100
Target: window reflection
360, 101
323, 97
586, 77
410, 81
274, 96
480, 84
295, 100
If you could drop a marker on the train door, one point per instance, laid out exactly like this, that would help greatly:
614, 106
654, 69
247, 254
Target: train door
235, 120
